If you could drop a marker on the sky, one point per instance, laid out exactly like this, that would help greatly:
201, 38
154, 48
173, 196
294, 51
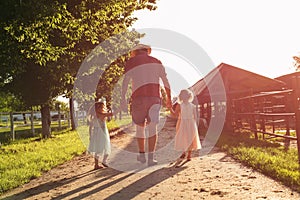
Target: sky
260, 36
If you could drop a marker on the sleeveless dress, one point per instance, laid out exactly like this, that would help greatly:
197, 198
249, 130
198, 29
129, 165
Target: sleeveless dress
99, 139
187, 137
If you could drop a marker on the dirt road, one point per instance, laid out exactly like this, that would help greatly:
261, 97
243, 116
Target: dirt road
213, 176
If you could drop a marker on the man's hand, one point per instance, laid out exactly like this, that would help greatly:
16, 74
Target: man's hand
168, 103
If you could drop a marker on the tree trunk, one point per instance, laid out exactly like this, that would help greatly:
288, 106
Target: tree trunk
46, 121
72, 114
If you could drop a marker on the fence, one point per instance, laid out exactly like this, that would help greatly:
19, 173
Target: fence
275, 114
27, 123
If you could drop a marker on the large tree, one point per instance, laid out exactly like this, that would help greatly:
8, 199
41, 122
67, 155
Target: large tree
43, 43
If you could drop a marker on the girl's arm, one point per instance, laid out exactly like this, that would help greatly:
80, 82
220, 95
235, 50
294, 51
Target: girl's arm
175, 113
104, 114
90, 128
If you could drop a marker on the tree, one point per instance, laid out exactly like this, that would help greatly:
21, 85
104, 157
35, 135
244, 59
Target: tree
297, 62
44, 42
9, 103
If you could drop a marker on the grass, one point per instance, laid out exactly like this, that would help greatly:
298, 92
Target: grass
26, 159
268, 158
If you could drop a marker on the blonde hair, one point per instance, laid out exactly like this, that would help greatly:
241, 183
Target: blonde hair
92, 113
186, 94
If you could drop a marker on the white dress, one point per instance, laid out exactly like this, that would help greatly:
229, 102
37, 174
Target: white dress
187, 137
99, 139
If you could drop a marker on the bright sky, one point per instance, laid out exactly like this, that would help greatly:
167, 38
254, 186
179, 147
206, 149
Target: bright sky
260, 36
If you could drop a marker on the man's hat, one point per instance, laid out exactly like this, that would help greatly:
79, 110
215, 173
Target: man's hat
141, 47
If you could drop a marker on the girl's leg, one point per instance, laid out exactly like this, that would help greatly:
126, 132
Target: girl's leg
182, 155
96, 163
189, 155
104, 162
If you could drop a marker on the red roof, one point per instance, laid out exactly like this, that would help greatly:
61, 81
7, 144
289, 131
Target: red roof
288, 78
233, 81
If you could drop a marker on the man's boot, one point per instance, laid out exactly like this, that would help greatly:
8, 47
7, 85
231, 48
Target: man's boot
151, 160
141, 157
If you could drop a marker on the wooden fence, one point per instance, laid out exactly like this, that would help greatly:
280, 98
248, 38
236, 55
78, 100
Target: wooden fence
271, 114
19, 120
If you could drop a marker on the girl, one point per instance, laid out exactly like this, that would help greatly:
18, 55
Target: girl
99, 136
187, 138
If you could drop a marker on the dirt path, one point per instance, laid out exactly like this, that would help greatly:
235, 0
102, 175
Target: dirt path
214, 176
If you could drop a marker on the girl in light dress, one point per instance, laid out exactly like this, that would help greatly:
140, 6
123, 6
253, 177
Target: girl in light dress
99, 137
187, 138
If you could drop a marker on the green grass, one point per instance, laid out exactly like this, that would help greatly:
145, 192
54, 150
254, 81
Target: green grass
114, 124
268, 158
26, 159
22, 132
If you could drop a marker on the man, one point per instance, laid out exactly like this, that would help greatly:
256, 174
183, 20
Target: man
145, 73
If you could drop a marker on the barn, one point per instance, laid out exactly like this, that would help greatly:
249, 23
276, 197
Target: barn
215, 92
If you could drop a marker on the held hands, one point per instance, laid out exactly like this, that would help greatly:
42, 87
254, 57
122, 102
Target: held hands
168, 103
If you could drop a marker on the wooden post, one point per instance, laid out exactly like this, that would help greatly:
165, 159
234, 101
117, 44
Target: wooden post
12, 128
297, 111
263, 126
31, 122
287, 141
273, 125
59, 117
252, 118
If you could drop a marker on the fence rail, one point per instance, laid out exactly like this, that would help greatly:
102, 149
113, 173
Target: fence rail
12, 122
268, 112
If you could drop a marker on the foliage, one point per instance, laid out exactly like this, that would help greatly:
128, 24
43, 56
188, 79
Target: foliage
296, 62
43, 43
8, 103
52, 40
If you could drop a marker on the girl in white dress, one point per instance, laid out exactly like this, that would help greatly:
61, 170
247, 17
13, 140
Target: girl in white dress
187, 138
99, 137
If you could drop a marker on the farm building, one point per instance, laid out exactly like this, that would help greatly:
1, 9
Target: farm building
216, 91
233, 98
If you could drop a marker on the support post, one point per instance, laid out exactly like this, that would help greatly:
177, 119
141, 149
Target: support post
31, 122
297, 111
12, 127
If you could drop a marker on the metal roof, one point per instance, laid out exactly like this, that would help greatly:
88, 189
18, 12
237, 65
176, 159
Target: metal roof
233, 81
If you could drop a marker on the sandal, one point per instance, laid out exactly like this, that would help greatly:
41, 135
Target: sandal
97, 167
188, 157
182, 156
104, 164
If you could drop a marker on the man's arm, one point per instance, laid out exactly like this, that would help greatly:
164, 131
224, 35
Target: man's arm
167, 89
